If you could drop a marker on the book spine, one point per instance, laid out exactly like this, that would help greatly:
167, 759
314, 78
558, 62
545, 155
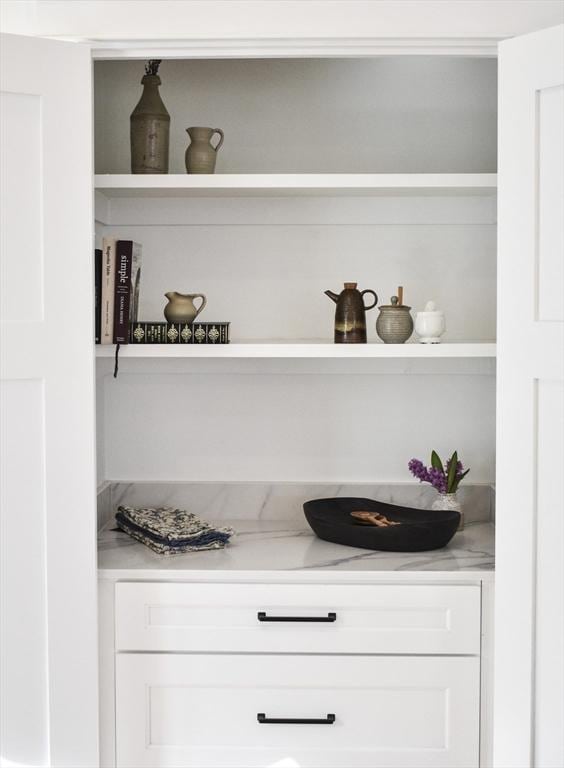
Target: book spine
108, 283
135, 283
179, 333
98, 295
122, 293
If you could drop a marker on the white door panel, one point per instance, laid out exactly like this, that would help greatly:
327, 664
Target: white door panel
48, 558
529, 666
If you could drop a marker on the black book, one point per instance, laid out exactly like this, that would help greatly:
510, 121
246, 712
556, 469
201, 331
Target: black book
126, 292
179, 333
98, 295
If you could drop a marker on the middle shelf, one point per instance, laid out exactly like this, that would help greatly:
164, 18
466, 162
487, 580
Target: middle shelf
314, 349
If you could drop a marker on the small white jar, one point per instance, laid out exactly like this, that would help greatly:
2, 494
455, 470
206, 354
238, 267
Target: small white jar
430, 324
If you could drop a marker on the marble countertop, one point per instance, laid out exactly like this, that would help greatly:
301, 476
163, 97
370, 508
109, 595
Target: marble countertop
287, 551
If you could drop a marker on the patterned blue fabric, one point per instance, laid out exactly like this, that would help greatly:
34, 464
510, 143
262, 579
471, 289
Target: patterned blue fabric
170, 531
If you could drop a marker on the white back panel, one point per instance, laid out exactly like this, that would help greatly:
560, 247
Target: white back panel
269, 280
391, 114
49, 649
318, 428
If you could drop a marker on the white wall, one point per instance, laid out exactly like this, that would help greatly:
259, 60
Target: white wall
306, 427
381, 115
269, 280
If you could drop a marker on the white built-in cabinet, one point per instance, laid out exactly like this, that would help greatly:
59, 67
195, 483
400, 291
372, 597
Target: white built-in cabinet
380, 169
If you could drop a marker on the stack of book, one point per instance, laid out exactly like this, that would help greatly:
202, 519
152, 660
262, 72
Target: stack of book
118, 277
117, 281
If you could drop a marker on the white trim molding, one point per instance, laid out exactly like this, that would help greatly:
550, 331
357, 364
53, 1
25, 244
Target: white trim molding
278, 24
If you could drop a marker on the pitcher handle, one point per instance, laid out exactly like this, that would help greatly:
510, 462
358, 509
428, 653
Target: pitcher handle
221, 137
202, 305
368, 290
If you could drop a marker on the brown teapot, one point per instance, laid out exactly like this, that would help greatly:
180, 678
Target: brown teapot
350, 314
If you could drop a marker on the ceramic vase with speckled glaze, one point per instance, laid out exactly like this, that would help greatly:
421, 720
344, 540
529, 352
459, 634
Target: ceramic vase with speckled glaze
394, 324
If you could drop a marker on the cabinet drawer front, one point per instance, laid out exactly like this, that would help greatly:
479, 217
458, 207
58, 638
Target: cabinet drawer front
298, 618
181, 710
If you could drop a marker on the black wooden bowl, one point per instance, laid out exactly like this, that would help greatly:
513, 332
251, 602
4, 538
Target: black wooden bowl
420, 529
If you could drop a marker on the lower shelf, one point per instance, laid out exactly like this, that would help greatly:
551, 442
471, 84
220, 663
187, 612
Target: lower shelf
302, 349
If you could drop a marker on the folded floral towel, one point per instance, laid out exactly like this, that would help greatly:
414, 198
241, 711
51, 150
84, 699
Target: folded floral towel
171, 531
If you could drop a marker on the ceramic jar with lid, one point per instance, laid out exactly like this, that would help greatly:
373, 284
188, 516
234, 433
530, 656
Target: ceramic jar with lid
430, 324
394, 324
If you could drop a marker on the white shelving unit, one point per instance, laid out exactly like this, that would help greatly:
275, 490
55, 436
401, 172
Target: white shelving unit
282, 184
302, 349
388, 179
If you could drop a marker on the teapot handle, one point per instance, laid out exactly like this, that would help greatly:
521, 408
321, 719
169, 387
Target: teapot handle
221, 137
375, 298
202, 305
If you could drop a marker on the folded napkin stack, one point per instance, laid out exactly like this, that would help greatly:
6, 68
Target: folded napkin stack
171, 531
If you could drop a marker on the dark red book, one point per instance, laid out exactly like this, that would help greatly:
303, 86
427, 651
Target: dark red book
128, 259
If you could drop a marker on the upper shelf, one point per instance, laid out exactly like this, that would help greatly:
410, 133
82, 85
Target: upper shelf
291, 184
302, 349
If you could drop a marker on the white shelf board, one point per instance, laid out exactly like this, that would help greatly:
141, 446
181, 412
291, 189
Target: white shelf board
301, 349
290, 184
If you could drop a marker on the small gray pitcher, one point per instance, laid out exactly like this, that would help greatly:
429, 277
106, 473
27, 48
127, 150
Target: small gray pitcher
201, 154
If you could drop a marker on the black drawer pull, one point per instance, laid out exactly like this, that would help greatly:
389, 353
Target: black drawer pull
261, 616
263, 719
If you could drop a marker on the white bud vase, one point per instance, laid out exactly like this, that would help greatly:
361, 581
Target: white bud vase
449, 502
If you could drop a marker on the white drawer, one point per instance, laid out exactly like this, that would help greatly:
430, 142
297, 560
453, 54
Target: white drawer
407, 619
203, 710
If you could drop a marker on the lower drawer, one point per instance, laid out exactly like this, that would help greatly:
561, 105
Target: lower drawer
224, 711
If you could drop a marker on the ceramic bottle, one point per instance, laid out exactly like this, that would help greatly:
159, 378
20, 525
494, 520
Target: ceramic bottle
150, 127
201, 154
350, 314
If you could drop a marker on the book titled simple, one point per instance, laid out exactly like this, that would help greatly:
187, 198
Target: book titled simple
127, 277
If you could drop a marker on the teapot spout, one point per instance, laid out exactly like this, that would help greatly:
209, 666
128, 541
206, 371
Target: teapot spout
332, 295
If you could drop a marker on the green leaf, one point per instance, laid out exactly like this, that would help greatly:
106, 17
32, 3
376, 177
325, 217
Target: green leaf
436, 462
451, 477
459, 479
